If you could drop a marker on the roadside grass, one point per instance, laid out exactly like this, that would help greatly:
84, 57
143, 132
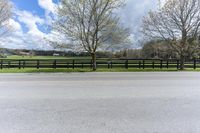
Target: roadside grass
42, 70
50, 70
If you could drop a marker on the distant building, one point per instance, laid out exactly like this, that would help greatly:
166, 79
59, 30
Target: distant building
56, 54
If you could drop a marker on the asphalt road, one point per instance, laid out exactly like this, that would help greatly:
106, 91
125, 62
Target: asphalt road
100, 103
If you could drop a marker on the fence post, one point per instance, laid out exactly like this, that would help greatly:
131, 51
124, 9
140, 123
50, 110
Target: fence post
139, 64
1, 64
195, 63
161, 64
73, 64
24, 63
153, 65
8, 64
91, 64
19, 64
143, 64
126, 64
167, 64
54, 64
82, 65
109, 64
38, 64
177, 65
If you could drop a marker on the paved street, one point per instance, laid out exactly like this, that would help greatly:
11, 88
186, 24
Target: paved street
100, 103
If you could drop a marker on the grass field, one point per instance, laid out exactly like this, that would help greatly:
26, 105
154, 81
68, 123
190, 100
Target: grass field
50, 70
43, 57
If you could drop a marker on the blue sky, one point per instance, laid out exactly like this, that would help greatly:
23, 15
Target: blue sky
29, 5
31, 18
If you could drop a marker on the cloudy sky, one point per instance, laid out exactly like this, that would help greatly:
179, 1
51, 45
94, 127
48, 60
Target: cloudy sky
31, 18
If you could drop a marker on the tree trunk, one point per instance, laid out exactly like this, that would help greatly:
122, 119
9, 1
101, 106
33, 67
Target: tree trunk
94, 62
182, 63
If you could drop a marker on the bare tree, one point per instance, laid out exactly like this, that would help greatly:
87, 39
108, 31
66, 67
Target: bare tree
178, 23
92, 24
5, 14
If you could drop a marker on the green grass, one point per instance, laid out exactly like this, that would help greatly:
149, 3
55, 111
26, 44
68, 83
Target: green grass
16, 57
50, 70
45, 70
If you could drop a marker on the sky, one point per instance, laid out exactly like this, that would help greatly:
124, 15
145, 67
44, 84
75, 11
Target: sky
31, 19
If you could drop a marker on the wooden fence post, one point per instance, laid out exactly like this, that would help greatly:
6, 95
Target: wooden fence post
19, 64
167, 64
143, 64
153, 65
54, 64
73, 63
91, 64
38, 64
109, 64
24, 63
139, 64
1, 64
161, 64
177, 65
195, 63
126, 64
8, 64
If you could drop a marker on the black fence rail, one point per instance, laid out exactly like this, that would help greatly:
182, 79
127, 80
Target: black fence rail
101, 63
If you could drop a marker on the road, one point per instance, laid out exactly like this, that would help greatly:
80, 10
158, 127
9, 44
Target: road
100, 103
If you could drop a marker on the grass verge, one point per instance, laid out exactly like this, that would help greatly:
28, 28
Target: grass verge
50, 70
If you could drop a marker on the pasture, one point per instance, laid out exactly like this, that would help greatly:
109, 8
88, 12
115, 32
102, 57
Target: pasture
17, 57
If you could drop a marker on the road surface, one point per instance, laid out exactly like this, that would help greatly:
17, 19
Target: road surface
100, 103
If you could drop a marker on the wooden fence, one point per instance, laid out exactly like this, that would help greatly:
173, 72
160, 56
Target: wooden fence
101, 63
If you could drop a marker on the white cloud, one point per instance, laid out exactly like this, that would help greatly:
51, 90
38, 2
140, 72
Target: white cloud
47, 5
20, 40
132, 14
32, 39
49, 8
31, 21
15, 25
